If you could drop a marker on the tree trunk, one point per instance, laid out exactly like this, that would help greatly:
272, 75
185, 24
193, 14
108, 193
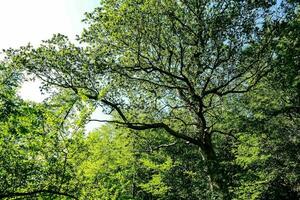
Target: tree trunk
213, 168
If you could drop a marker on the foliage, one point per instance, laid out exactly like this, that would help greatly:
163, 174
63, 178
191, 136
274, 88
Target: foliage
203, 97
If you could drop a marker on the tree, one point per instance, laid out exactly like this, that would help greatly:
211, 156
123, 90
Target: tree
166, 65
34, 150
106, 165
269, 152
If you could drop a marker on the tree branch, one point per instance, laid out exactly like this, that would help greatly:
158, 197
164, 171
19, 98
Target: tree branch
145, 126
224, 133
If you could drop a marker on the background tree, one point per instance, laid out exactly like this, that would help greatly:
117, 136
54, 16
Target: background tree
34, 149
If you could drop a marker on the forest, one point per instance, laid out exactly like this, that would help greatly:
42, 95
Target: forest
203, 98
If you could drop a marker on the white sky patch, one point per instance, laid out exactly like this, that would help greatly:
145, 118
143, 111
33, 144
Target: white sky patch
97, 114
24, 21
30, 91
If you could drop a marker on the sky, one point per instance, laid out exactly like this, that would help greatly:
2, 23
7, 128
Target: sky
24, 21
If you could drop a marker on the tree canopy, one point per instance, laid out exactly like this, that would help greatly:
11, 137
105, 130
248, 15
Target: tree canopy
203, 97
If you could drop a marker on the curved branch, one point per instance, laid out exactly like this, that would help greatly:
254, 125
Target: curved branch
225, 133
144, 126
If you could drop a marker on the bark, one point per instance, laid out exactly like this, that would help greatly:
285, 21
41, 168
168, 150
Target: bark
213, 168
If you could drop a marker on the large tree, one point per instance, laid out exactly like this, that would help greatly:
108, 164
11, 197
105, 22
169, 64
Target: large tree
166, 65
